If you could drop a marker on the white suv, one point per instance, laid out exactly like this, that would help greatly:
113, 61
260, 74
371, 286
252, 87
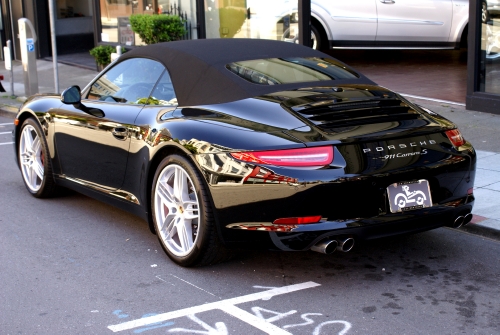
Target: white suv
394, 24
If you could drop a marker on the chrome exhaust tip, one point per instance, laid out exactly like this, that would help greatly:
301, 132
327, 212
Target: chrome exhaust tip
326, 247
345, 245
459, 221
467, 219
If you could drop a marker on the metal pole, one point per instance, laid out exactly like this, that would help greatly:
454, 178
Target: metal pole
305, 22
13, 37
54, 45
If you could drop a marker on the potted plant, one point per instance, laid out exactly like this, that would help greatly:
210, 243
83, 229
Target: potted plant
102, 55
157, 28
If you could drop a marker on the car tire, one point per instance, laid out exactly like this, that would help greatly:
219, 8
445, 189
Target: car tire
182, 214
34, 161
485, 15
316, 38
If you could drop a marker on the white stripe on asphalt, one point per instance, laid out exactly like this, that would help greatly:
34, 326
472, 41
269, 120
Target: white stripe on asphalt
7, 132
224, 305
7, 124
7, 143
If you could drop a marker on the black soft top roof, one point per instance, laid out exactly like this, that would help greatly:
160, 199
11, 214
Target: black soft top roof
199, 74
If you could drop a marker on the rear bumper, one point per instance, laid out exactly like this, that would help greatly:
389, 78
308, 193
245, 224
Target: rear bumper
303, 237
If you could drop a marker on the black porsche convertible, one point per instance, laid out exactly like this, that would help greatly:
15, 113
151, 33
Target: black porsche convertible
236, 143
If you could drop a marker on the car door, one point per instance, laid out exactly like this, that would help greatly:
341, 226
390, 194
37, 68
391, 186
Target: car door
414, 20
92, 139
348, 20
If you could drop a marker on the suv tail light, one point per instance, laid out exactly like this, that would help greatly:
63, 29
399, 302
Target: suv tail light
455, 137
316, 156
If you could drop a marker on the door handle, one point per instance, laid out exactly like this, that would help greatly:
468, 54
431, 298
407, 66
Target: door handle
120, 133
387, 1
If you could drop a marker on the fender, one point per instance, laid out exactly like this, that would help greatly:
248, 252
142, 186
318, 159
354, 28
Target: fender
460, 20
35, 107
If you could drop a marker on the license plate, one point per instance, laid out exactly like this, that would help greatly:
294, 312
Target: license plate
408, 196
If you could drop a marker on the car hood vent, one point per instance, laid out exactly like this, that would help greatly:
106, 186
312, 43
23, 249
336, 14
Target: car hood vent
342, 108
333, 116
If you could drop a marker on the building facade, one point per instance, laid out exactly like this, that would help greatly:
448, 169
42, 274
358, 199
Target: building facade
82, 24
74, 22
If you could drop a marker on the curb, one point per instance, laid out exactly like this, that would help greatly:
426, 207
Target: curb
479, 230
8, 111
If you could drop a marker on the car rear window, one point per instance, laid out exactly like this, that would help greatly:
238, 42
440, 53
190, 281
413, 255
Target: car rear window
275, 71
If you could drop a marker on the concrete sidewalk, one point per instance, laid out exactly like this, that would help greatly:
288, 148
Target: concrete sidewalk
482, 129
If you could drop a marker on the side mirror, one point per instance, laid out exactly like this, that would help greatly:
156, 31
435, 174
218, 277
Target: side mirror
71, 96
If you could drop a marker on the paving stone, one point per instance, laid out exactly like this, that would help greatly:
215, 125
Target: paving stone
484, 178
487, 203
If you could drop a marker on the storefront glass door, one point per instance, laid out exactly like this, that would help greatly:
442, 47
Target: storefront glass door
262, 19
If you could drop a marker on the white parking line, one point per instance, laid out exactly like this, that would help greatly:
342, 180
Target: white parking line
6, 143
7, 132
224, 305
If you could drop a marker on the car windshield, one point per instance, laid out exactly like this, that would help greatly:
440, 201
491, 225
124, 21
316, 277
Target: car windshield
275, 71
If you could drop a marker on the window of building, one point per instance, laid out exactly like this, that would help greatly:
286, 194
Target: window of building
115, 24
261, 19
489, 72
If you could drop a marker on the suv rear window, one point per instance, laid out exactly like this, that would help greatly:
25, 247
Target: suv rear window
275, 71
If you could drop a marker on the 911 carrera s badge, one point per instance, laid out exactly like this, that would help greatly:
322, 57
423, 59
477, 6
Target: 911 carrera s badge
388, 148
408, 196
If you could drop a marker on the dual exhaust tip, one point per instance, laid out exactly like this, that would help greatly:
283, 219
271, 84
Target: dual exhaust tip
328, 246
462, 220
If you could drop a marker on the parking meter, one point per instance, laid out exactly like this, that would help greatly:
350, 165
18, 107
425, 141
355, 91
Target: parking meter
27, 37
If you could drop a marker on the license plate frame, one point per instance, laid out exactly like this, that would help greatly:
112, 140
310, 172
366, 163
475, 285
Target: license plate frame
409, 195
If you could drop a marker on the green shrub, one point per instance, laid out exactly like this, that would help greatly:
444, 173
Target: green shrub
102, 54
157, 28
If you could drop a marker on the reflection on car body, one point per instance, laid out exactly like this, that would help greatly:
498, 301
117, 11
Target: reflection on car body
213, 159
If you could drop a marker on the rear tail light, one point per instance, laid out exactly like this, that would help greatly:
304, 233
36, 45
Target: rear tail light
298, 220
455, 137
316, 156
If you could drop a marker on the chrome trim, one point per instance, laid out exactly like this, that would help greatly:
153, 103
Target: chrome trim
394, 48
124, 195
417, 22
431, 99
354, 19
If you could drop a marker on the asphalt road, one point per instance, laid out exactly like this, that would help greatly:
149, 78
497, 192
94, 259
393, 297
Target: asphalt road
73, 265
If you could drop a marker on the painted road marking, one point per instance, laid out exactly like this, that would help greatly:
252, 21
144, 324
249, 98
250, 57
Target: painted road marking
226, 306
7, 132
6, 143
7, 124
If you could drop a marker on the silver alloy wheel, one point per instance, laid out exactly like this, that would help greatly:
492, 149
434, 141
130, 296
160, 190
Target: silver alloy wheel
176, 210
31, 158
286, 38
314, 41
